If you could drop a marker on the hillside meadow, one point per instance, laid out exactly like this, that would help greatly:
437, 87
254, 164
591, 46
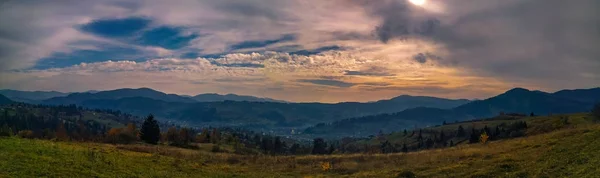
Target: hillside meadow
572, 151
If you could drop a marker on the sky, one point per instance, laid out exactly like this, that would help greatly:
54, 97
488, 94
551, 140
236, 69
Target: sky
301, 50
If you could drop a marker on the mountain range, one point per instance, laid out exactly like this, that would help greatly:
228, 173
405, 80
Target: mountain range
257, 112
517, 100
60, 97
344, 118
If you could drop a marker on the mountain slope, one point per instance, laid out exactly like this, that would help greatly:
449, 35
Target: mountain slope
31, 96
213, 97
517, 100
521, 100
78, 98
4, 100
591, 95
369, 125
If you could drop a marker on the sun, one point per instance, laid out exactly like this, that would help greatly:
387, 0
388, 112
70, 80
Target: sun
418, 2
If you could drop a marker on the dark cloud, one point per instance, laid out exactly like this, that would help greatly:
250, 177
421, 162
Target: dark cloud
516, 40
334, 83
316, 51
371, 71
423, 57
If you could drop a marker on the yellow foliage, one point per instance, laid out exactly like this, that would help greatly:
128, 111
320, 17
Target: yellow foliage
325, 166
484, 138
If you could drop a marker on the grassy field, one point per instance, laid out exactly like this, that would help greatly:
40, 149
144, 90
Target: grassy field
572, 151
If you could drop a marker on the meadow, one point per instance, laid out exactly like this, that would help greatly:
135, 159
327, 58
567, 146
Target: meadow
572, 151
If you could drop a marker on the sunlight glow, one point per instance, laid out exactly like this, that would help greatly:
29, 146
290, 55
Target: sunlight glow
418, 2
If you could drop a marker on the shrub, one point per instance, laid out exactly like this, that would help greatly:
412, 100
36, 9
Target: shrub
406, 174
215, 149
26, 134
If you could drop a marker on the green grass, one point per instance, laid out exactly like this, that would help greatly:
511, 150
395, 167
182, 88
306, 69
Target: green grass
570, 151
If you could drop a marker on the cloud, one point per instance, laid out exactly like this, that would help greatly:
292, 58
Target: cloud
316, 51
370, 71
259, 44
334, 83
423, 57
540, 44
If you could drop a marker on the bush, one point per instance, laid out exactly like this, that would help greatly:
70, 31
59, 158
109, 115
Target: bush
406, 174
26, 134
215, 149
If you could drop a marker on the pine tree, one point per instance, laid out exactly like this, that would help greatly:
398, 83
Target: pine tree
405, 132
460, 132
404, 148
474, 138
596, 111
319, 146
150, 132
294, 149
277, 146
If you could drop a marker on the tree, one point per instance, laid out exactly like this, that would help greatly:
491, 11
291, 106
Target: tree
596, 111
484, 137
404, 148
386, 147
185, 136
474, 138
172, 136
294, 149
61, 132
405, 132
150, 132
460, 132
319, 146
277, 146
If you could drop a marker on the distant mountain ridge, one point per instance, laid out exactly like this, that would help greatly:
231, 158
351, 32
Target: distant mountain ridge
213, 97
517, 100
241, 110
78, 98
31, 96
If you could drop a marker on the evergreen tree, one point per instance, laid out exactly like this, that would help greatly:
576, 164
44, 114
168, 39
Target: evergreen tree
294, 149
405, 132
596, 111
474, 138
442, 137
331, 149
150, 132
319, 146
404, 148
460, 132
451, 143
277, 146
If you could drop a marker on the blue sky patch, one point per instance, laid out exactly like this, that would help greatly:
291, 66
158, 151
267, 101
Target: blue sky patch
260, 44
165, 37
116, 28
59, 60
